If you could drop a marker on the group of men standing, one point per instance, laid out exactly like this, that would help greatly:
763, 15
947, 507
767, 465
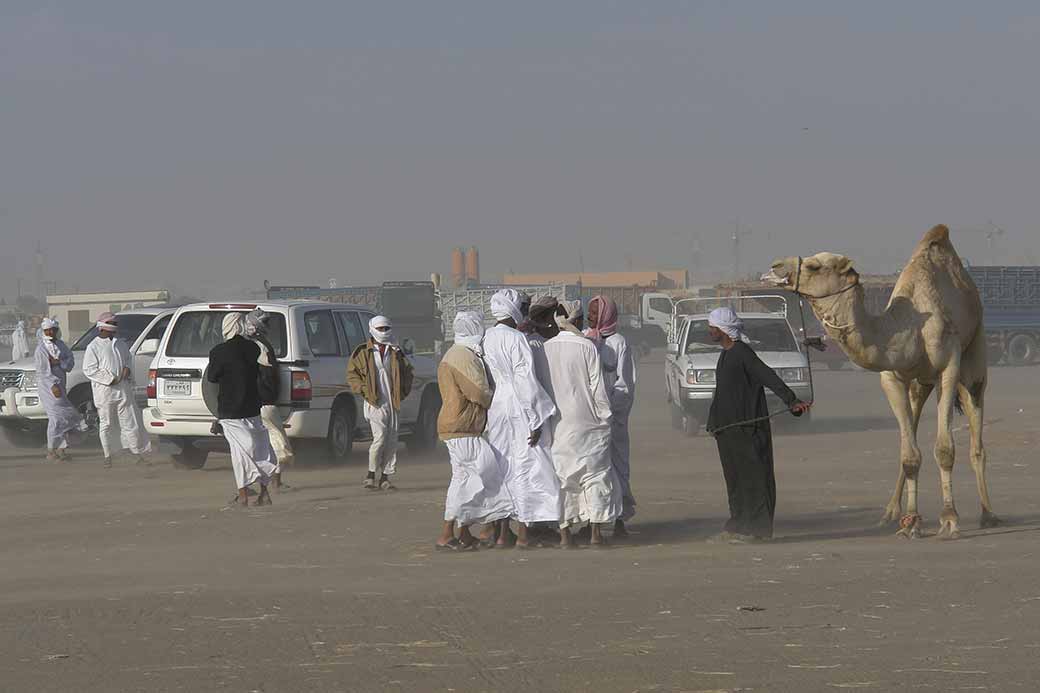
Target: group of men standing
535, 415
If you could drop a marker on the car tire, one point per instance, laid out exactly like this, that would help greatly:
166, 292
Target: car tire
424, 437
189, 457
1022, 350
691, 426
26, 437
83, 399
339, 442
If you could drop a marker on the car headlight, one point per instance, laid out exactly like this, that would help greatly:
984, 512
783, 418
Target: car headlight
794, 375
701, 377
29, 381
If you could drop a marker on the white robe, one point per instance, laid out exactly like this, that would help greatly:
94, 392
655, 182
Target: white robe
103, 363
19, 344
384, 420
62, 417
581, 432
477, 493
251, 456
272, 417
619, 372
520, 406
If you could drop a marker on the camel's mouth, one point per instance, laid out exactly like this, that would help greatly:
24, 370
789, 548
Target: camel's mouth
773, 278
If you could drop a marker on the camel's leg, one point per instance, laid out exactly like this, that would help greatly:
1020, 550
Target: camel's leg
898, 393
944, 449
919, 393
974, 378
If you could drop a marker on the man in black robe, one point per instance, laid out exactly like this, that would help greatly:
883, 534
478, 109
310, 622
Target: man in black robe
745, 445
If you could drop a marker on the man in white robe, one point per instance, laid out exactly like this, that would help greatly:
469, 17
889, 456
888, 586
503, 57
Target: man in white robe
581, 437
19, 342
619, 373
518, 413
255, 328
477, 493
108, 365
54, 361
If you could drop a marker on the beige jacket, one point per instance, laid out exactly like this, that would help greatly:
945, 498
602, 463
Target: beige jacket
465, 394
363, 375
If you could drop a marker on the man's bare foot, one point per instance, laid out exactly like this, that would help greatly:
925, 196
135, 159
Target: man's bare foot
596, 538
52, 456
566, 539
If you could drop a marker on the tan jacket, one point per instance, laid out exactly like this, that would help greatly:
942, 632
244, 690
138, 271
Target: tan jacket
465, 394
363, 375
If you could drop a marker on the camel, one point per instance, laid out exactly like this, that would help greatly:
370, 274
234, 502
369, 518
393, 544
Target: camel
930, 337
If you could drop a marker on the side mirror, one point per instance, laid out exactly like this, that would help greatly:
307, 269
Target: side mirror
408, 346
673, 349
149, 347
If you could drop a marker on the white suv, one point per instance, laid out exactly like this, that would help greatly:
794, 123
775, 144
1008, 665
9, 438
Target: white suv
22, 416
313, 342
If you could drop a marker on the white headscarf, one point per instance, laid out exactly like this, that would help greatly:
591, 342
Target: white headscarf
107, 321
730, 324
574, 311
469, 330
48, 340
506, 304
231, 327
381, 337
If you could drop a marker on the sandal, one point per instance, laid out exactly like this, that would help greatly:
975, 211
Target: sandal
453, 545
385, 485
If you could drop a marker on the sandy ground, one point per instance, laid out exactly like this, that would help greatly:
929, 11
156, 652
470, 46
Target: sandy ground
137, 579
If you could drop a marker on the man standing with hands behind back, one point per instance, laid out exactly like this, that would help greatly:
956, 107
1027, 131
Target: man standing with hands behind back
745, 442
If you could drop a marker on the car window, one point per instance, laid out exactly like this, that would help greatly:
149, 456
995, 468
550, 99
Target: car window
352, 332
662, 305
196, 332
159, 328
130, 328
321, 333
766, 334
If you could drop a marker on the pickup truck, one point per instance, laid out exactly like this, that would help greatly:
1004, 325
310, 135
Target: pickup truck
23, 419
692, 357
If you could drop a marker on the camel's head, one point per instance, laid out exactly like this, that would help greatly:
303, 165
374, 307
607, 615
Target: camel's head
821, 275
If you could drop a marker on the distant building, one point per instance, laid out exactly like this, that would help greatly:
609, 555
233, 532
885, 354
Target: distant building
77, 313
658, 279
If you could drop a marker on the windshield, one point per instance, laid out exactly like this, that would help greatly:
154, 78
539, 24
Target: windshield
766, 334
401, 302
131, 326
196, 332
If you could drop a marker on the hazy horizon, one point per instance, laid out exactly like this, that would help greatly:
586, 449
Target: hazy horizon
210, 146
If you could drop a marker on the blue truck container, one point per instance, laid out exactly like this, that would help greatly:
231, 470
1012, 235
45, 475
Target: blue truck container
1011, 301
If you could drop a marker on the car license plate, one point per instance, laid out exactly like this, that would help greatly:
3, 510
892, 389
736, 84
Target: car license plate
177, 387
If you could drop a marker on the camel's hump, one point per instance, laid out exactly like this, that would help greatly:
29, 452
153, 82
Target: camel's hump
938, 234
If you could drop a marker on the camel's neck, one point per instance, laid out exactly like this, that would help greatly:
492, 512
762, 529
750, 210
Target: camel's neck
870, 341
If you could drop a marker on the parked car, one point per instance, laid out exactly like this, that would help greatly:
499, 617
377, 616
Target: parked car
691, 360
21, 415
313, 341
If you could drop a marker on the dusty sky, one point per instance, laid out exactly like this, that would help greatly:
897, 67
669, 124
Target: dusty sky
212, 145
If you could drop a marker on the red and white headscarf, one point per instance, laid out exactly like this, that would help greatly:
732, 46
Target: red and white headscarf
606, 318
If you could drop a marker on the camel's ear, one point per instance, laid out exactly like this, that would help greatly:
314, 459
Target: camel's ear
844, 266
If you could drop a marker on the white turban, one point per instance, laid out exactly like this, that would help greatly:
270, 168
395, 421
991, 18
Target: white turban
469, 330
574, 310
386, 337
48, 324
506, 304
107, 321
730, 324
231, 327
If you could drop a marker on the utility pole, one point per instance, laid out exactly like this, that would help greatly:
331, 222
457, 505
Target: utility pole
695, 252
739, 232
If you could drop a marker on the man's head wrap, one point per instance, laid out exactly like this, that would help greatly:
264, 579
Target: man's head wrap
231, 326
573, 310
606, 318
469, 330
506, 304
543, 309
385, 337
255, 322
48, 324
107, 322
730, 324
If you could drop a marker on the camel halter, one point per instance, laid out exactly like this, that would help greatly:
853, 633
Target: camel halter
826, 323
